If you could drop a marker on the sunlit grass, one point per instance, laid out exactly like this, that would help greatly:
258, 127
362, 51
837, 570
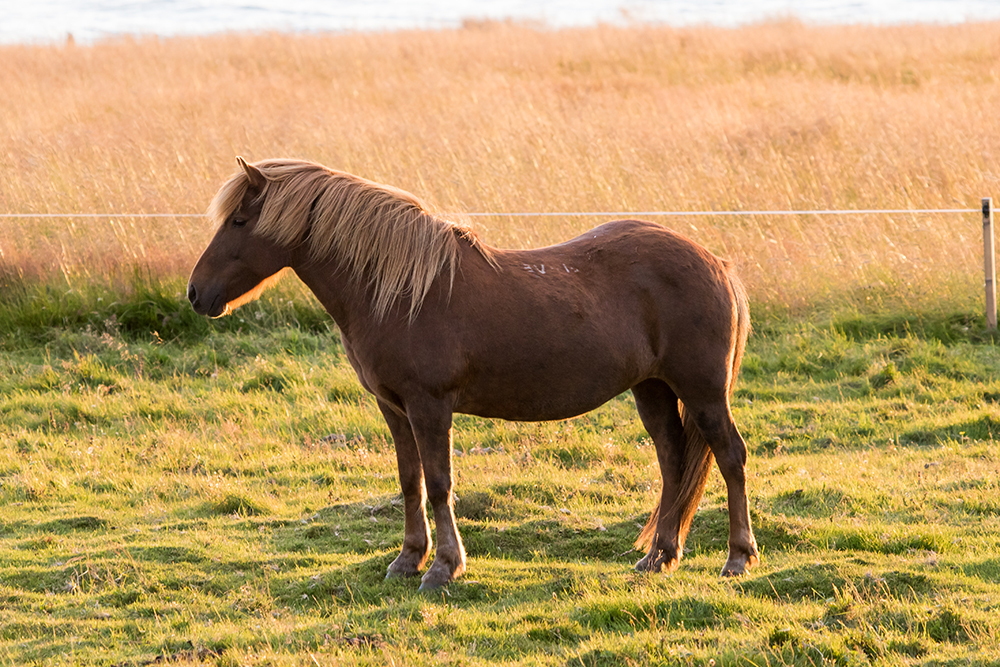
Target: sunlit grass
234, 501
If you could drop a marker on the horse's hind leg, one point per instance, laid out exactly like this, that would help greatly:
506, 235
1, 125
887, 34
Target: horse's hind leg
715, 422
416, 532
656, 403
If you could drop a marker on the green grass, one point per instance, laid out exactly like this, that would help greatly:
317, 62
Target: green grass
183, 491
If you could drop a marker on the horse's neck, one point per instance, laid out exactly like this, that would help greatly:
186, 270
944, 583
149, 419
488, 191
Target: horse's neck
330, 282
350, 301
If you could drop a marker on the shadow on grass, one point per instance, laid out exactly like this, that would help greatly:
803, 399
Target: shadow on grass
948, 328
985, 428
710, 532
986, 570
361, 527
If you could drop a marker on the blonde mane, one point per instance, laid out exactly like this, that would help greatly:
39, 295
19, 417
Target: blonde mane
384, 235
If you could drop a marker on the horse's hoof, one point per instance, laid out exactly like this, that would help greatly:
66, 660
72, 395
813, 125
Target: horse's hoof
398, 574
737, 566
407, 564
431, 584
658, 563
647, 564
439, 577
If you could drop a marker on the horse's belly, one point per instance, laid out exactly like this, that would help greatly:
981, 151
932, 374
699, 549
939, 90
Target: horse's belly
539, 396
523, 412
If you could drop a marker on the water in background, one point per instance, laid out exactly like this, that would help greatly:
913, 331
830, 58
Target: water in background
41, 21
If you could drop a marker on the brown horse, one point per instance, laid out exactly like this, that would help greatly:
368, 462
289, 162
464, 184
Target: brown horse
435, 322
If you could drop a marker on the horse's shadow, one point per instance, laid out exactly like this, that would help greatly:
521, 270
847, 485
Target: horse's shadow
535, 551
354, 527
539, 556
538, 552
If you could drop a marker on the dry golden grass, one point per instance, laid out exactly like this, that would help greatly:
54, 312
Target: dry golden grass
500, 117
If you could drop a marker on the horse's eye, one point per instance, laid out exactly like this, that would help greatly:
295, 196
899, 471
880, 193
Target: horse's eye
239, 222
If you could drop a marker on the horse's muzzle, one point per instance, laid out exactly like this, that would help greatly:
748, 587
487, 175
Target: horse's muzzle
213, 308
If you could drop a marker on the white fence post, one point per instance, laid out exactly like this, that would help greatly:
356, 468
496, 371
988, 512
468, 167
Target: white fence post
989, 268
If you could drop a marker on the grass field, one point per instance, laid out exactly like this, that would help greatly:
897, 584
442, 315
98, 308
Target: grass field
229, 497
183, 491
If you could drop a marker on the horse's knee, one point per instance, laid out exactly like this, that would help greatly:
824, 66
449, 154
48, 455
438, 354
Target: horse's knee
412, 487
438, 490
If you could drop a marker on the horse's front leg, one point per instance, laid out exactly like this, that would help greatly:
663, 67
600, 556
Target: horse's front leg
432, 429
416, 532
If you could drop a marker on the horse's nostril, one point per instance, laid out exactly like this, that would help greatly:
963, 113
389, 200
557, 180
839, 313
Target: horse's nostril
192, 293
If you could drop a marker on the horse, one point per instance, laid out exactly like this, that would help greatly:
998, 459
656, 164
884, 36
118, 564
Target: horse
434, 321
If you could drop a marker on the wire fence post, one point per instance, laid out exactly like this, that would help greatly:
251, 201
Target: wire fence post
989, 268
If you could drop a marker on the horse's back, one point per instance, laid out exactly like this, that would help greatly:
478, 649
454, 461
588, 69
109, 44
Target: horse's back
638, 266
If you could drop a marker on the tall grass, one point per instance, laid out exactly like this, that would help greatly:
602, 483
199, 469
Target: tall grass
503, 117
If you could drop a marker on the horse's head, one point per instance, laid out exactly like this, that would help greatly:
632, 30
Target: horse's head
238, 264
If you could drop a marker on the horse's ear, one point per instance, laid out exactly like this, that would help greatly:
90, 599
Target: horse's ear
255, 176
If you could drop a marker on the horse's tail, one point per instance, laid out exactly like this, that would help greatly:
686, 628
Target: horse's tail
698, 457
742, 328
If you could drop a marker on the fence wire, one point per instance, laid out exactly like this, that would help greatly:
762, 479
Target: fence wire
541, 214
